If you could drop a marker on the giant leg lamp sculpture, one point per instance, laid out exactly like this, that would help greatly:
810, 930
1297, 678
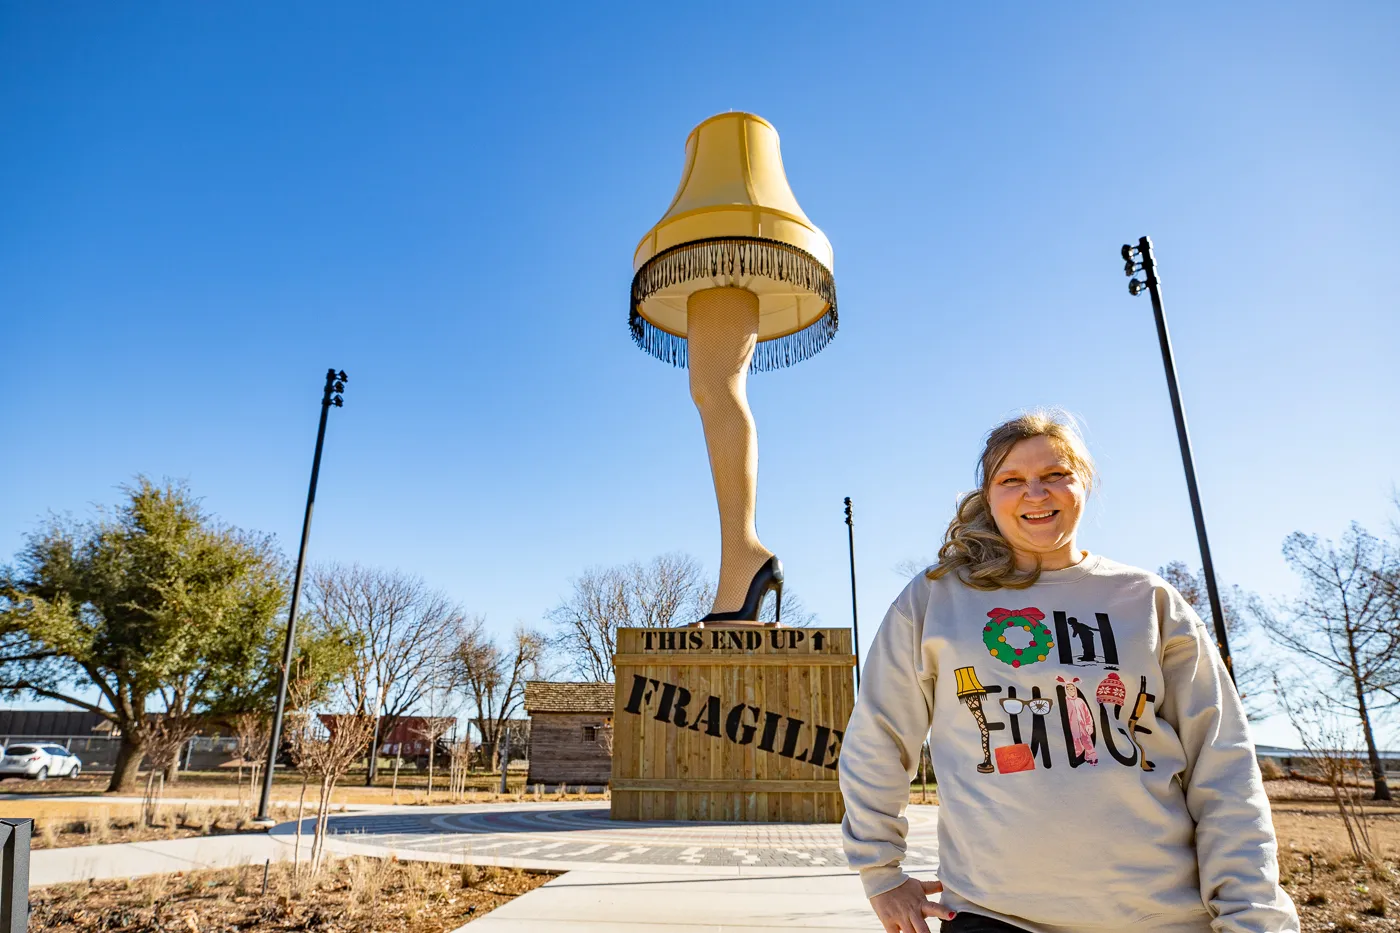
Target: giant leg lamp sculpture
734, 279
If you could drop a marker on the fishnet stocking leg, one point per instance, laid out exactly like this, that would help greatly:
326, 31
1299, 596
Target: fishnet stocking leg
722, 334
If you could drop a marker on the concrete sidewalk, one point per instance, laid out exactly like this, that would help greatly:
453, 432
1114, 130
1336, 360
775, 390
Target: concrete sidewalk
673, 893
606, 902
133, 859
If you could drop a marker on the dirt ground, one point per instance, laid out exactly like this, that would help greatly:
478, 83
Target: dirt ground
355, 894
1333, 889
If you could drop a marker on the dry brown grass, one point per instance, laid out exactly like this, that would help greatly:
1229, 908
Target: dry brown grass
214, 785
354, 894
60, 824
1332, 888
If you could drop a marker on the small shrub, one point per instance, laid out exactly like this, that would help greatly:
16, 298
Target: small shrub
1377, 907
415, 876
48, 833
469, 874
240, 886
1270, 770
153, 889
1314, 899
367, 877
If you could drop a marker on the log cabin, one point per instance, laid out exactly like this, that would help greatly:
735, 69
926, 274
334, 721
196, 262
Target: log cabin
570, 732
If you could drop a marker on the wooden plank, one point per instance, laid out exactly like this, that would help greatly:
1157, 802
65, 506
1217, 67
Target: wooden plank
620, 805
760, 660
758, 677
741, 758
739, 786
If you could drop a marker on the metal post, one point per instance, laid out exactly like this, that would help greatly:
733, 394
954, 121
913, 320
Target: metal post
1153, 287
335, 384
371, 772
855, 621
504, 742
15, 835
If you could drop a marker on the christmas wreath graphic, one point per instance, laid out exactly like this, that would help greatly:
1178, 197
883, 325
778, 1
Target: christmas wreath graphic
1030, 619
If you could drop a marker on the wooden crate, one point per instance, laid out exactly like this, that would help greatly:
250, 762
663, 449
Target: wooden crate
730, 724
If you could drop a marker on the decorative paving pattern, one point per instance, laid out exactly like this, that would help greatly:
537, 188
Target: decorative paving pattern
575, 834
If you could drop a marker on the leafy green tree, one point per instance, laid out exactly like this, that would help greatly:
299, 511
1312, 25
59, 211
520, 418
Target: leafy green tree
173, 618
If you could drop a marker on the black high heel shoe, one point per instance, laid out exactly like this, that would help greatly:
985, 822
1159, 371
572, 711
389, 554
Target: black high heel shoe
768, 577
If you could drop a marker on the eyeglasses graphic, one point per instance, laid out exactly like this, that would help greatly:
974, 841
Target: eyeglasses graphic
1038, 706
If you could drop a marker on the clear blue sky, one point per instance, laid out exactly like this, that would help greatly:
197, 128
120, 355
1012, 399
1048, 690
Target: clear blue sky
203, 206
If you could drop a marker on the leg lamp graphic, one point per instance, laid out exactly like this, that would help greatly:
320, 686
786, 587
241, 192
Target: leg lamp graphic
734, 279
1134, 730
971, 692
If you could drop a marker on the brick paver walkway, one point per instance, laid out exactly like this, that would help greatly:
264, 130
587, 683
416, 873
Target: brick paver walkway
576, 835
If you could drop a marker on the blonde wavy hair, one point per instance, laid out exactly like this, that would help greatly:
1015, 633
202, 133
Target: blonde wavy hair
973, 548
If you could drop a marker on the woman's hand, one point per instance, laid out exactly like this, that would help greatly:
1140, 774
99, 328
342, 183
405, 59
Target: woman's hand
903, 909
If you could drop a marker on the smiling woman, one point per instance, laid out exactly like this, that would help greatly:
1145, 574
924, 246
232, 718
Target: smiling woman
1033, 478
1068, 700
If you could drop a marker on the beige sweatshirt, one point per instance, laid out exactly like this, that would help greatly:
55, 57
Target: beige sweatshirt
1095, 771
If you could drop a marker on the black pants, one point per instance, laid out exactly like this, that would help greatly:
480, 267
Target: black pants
974, 923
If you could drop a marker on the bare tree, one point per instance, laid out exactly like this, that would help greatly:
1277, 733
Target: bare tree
668, 590
431, 729
911, 567
1345, 622
324, 747
1328, 742
402, 632
494, 678
166, 734
1253, 675
251, 732
459, 768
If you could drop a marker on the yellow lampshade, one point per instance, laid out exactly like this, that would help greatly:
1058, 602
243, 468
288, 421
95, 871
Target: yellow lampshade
735, 222
967, 683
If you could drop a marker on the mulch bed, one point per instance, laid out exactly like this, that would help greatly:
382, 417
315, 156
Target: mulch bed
356, 894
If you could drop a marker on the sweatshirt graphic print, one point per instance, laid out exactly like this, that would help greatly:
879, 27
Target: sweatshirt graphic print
1094, 767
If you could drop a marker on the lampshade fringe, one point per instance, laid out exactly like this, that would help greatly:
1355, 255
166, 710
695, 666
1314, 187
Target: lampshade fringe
725, 258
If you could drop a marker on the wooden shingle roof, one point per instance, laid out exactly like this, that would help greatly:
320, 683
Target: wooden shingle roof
544, 696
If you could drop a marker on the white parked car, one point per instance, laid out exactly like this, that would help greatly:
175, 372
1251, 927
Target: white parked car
39, 762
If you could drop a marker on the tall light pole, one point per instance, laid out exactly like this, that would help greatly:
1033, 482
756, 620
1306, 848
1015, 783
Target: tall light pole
855, 621
335, 385
1139, 259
